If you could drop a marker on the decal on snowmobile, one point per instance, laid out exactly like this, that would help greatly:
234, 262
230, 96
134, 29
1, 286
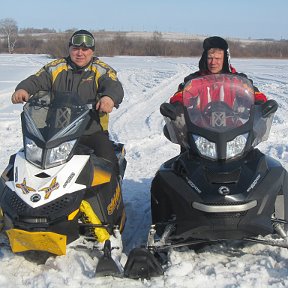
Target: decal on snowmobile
100, 233
193, 185
218, 119
25, 189
35, 198
16, 174
69, 179
254, 183
115, 201
224, 190
53, 186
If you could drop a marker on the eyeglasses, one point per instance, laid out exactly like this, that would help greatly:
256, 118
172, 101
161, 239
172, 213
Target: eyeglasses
83, 40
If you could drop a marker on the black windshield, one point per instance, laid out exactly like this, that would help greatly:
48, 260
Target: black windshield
51, 115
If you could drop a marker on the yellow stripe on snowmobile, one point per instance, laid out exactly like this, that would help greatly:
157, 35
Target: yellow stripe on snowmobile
1, 219
123, 221
100, 177
104, 121
100, 233
115, 201
21, 240
72, 215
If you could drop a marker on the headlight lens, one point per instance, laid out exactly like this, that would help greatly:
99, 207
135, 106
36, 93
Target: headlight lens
53, 157
236, 146
208, 149
33, 152
59, 155
205, 147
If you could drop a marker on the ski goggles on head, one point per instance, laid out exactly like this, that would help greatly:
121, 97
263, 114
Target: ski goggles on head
83, 40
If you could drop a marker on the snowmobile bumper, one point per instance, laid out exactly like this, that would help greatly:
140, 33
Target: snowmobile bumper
21, 240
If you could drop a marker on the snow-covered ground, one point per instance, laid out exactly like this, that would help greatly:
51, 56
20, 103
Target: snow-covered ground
148, 82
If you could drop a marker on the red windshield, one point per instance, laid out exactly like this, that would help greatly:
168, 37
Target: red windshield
219, 101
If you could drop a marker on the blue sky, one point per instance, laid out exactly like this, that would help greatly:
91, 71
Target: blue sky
226, 18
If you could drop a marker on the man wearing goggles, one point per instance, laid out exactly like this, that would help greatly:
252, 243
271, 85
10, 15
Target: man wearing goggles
86, 74
84, 40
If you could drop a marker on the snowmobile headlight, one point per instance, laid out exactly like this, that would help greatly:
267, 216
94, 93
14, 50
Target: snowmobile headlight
33, 152
205, 147
236, 146
59, 154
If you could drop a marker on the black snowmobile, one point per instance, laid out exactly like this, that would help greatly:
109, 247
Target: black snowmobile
220, 187
55, 190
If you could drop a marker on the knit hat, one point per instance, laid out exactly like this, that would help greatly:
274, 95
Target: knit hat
215, 42
91, 43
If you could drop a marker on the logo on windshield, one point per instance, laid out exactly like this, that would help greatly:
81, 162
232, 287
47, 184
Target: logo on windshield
218, 119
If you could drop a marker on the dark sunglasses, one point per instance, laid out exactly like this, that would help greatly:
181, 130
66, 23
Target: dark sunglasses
80, 40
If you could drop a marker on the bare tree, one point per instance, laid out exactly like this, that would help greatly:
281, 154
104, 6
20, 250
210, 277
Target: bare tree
9, 28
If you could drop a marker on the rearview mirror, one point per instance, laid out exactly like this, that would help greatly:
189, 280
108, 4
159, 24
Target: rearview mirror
269, 107
168, 110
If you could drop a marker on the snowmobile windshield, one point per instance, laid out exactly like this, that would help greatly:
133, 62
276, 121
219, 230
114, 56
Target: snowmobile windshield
219, 102
49, 116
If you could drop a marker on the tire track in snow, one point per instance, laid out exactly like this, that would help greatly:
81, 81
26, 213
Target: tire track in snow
271, 79
129, 119
138, 123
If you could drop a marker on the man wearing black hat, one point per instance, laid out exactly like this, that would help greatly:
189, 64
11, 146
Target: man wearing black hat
215, 59
91, 78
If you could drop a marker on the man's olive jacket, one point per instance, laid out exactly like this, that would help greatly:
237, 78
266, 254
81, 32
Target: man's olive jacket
92, 82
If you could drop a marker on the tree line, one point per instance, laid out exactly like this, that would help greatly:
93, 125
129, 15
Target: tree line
55, 44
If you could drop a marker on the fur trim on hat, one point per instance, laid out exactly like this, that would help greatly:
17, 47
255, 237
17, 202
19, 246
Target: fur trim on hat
215, 42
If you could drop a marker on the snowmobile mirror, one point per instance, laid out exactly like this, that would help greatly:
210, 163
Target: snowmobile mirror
168, 110
269, 107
